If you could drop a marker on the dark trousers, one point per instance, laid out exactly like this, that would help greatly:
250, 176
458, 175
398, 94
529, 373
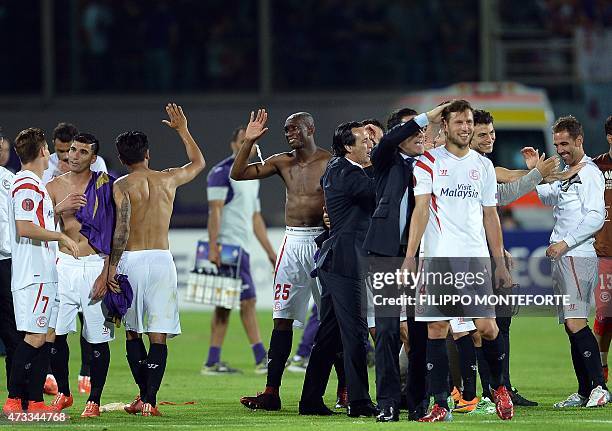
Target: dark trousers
388, 344
416, 389
8, 330
344, 329
386, 351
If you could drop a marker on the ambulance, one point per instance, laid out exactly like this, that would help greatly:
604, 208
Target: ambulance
523, 117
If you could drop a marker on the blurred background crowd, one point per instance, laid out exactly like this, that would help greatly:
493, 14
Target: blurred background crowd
109, 66
144, 46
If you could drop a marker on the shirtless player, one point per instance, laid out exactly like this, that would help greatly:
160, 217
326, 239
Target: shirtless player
144, 200
301, 170
76, 278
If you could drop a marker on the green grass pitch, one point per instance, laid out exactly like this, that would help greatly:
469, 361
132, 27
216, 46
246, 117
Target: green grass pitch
541, 368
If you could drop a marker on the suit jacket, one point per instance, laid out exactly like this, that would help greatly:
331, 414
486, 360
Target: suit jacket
350, 201
383, 236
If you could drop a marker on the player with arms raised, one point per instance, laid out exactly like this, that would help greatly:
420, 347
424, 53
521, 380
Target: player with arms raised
301, 170
144, 200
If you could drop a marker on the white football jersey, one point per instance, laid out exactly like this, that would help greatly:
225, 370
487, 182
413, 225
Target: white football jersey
33, 261
579, 208
459, 188
6, 180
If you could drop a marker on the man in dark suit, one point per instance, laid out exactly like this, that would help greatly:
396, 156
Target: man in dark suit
349, 199
393, 160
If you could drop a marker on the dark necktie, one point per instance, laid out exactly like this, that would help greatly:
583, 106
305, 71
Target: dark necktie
408, 169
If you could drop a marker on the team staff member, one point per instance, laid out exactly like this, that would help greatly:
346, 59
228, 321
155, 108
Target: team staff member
392, 162
349, 200
234, 211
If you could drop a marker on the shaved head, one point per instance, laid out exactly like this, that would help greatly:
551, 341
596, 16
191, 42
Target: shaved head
302, 117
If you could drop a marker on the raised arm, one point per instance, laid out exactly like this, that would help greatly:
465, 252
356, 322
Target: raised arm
242, 169
382, 153
188, 172
532, 158
509, 192
504, 175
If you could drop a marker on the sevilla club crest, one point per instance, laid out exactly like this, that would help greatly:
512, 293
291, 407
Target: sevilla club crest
27, 204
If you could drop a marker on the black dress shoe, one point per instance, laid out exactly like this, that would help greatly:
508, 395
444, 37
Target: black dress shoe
420, 411
388, 414
314, 409
367, 410
519, 400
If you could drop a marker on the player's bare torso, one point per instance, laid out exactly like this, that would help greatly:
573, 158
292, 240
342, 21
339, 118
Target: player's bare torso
59, 188
304, 196
151, 196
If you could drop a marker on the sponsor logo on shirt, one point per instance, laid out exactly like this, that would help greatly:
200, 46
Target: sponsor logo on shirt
27, 204
565, 185
444, 172
41, 321
461, 191
608, 177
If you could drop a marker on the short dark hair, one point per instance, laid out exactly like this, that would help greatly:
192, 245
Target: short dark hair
65, 132
374, 122
608, 125
343, 135
28, 143
482, 117
396, 116
236, 131
569, 124
88, 138
459, 105
132, 147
